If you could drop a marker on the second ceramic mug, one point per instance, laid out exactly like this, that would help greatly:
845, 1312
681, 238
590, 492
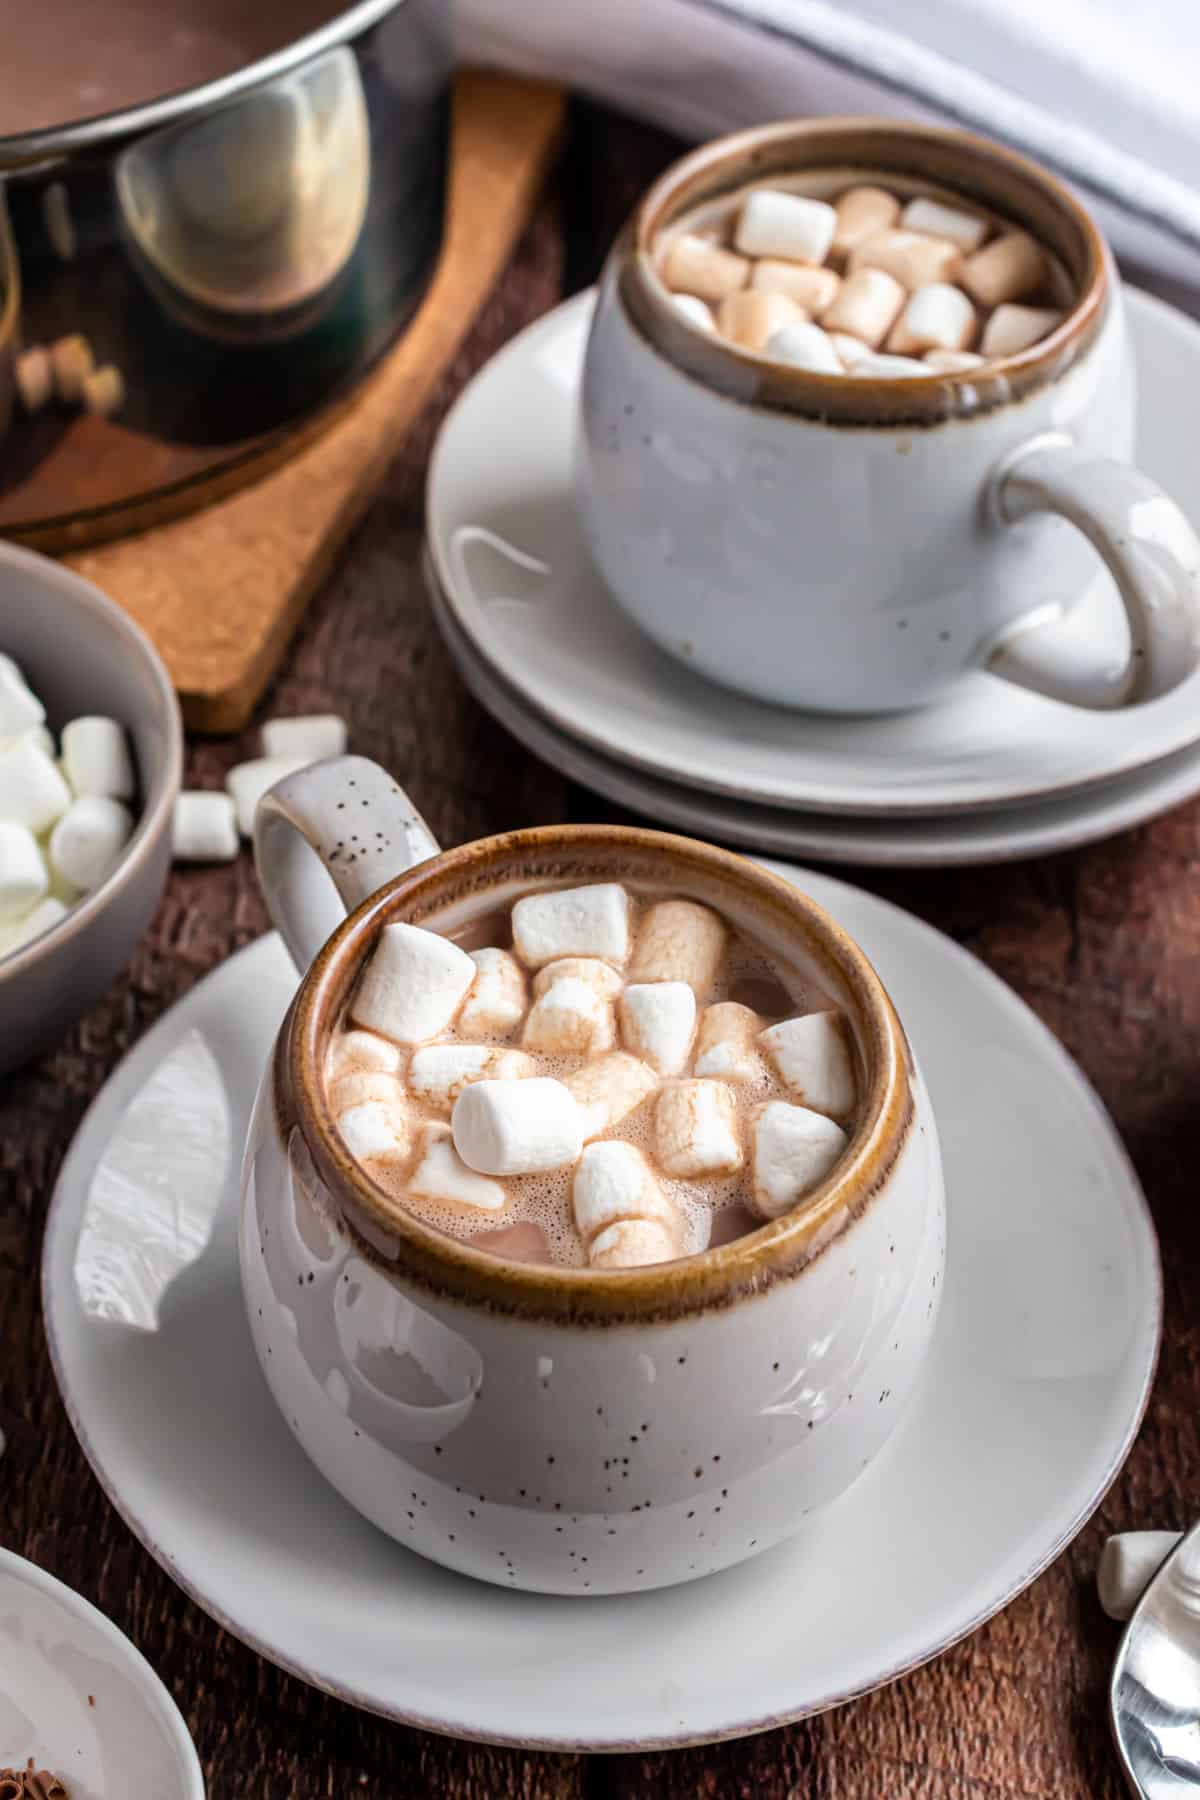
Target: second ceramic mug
571, 1430
853, 544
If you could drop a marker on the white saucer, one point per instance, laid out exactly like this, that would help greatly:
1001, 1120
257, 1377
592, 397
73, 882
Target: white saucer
78, 1698
1037, 1380
943, 840
506, 546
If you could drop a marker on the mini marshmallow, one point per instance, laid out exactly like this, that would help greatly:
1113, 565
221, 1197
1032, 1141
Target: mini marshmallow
23, 877
570, 1019
696, 311
45, 915
601, 976
811, 288
862, 212
692, 265
313, 736
34, 376
1010, 268
725, 1043
247, 783
362, 1050
497, 998
750, 320
20, 709
86, 844
937, 317
891, 368
1128, 1564
935, 219
356, 1086
793, 1149
582, 921
804, 346
375, 1132
850, 351
952, 362
774, 223
71, 360
813, 1059
867, 306
696, 1129
607, 1090
413, 984
102, 391
680, 940
32, 791
1013, 328
613, 1181
517, 1127
909, 257
631, 1243
95, 757
658, 1022
205, 827
442, 1175
438, 1073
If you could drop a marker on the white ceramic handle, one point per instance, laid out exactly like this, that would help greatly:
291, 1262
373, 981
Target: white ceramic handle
1152, 553
328, 838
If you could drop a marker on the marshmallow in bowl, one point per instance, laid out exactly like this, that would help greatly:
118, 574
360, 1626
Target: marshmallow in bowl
45, 915
1011, 267
936, 317
497, 999
695, 1129
866, 308
517, 1127
779, 224
20, 708
792, 1150
363, 1050
86, 843
441, 1175
804, 346
680, 940
658, 1022
936, 219
438, 1073
725, 1043
570, 1018
631, 1244
23, 877
909, 257
692, 265
811, 288
581, 921
751, 320
32, 791
1012, 328
696, 311
375, 1131
813, 1059
862, 212
95, 758
607, 1090
413, 984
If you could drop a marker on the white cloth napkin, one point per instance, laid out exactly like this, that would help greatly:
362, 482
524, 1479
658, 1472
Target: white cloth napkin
1101, 91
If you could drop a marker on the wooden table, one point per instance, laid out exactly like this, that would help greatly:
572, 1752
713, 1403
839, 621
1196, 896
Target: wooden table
1104, 944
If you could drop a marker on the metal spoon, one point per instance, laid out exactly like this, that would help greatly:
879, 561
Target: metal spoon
1154, 1698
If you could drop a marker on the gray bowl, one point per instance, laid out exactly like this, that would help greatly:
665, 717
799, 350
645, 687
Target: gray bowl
82, 654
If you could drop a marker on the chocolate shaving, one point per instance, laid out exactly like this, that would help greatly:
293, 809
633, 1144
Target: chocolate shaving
31, 1784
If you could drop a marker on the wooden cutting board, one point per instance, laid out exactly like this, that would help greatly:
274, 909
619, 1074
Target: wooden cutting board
221, 591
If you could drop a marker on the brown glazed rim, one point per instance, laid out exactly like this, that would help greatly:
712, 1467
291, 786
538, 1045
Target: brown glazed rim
714, 1278
983, 173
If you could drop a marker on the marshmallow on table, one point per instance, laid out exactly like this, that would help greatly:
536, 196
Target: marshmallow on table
692, 265
87, 842
607, 1090
811, 288
95, 757
804, 346
813, 1060
32, 792
613, 1181
570, 1018
696, 1129
582, 921
314, 736
247, 783
749, 320
936, 219
775, 223
46, 914
205, 827
867, 306
952, 362
632, 1243
658, 1022
911, 258
497, 998
862, 212
1009, 268
362, 1050
1013, 328
23, 876
725, 1043
696, 311
517, 1127
936, 317
438, 1073
680, 940
442, 1175
1128, 1564
413, 984
792, 1150
34, 377
72, 361
375, 1131
20, 709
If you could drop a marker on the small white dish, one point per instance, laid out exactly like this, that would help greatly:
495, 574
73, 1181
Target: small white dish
1040, 1366
77, 1698
509, 556
939, 841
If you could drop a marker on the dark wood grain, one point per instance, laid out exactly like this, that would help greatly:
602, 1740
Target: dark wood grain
1104, 945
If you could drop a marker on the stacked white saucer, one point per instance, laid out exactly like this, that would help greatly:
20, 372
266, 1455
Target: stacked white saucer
990, 774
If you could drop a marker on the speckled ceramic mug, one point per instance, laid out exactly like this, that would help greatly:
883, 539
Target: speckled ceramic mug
561, 1429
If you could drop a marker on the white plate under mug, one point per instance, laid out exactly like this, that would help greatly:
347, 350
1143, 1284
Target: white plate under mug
509, 557
1041, 1367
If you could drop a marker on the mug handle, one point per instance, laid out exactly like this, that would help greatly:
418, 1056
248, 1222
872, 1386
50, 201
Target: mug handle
1151, 551
326, 839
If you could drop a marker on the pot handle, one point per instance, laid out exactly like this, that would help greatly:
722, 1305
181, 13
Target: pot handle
328, 838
